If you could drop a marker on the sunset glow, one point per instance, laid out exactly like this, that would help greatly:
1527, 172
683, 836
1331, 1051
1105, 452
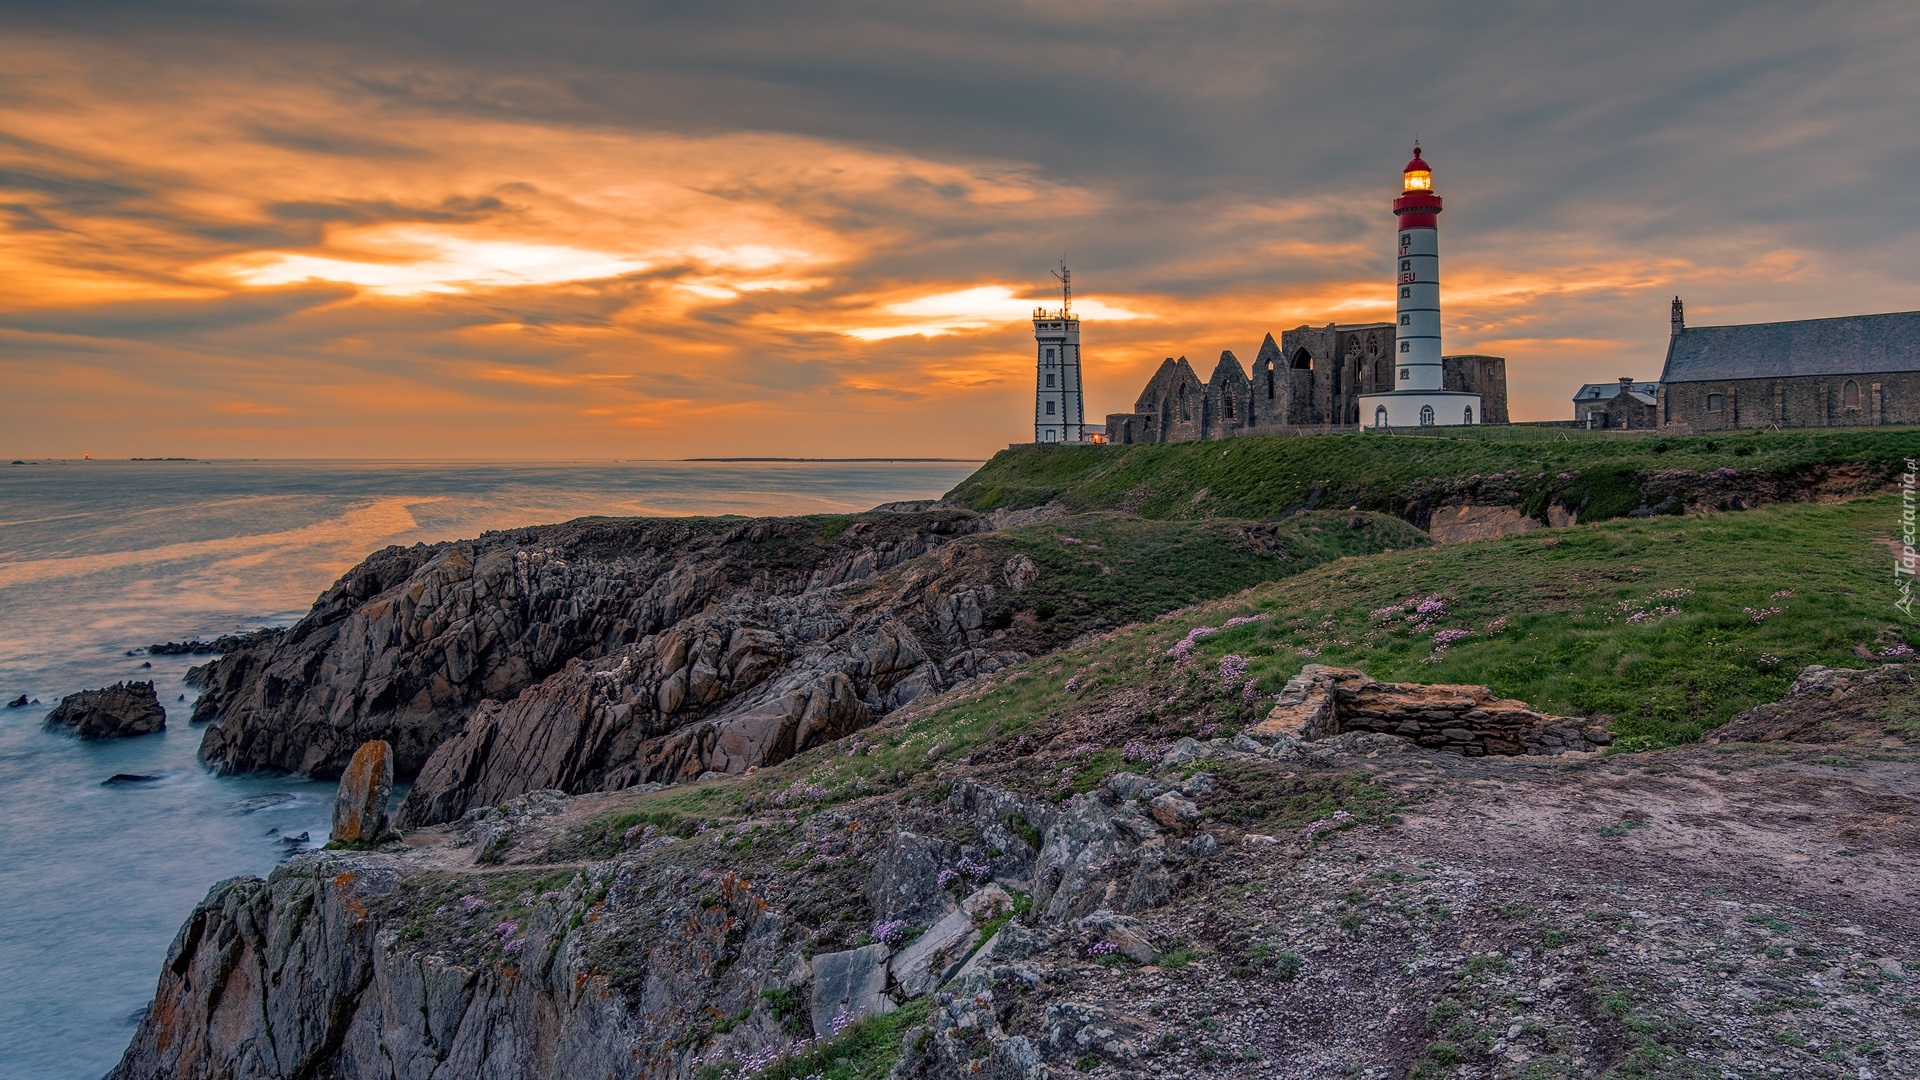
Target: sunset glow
427, 257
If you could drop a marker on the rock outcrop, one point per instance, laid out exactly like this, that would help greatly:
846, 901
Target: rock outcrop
114, 712
408, 643
749, 681
412, 964
1323, 701
360, 802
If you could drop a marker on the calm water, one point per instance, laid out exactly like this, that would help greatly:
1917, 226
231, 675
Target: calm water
101, 558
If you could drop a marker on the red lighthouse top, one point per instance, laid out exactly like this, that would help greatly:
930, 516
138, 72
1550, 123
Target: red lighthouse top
1418, 207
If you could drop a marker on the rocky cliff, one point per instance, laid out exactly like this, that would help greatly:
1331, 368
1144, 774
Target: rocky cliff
409, 641
598, 655
1253, 906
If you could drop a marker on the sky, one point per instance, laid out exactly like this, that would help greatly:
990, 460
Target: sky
628, 230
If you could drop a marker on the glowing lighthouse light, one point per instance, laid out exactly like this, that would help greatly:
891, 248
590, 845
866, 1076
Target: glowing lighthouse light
1419, 397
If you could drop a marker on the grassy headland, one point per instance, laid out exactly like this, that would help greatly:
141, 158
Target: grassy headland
1667, 627
1260, 478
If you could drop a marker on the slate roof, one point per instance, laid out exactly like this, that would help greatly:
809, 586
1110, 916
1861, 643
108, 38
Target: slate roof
1852, 345
1603, 391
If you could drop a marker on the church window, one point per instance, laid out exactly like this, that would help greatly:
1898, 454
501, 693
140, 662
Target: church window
1405, 292
1850, 395
1469, 414
1716, 403
1049, 408
1227, 404
1406, 320
1049, 379
1426, 416
1269, 382
1406, 346
1379, 416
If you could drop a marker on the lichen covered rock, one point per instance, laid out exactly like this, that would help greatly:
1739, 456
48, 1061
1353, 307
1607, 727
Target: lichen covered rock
360, 802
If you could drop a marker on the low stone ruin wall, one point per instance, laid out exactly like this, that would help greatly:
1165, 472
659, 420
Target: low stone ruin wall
1323, 701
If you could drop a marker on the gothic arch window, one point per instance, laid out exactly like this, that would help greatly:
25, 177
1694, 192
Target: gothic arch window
1302, 361
1226, 403
1185, 413
1426, 416
1373, 344
1850, 395
1379, 416
1469, 414
1717, 403
1269, 380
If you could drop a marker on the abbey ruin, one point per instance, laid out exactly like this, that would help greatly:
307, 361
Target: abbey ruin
1311, 381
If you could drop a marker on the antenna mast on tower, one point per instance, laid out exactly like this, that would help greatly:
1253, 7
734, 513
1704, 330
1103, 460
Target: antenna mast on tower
1066, 289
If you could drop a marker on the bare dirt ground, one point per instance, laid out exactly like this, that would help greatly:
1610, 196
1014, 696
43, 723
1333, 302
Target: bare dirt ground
1736, 910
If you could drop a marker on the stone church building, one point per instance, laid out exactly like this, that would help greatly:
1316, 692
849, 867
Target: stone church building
1855, 370
1311, 380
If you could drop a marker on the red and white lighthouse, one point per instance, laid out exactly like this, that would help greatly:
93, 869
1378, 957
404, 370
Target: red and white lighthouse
1419, 396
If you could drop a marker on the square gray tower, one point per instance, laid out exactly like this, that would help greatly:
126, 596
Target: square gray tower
1058, 408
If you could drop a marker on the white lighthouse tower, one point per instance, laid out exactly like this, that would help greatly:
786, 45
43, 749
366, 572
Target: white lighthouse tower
1058, 409
1419, 397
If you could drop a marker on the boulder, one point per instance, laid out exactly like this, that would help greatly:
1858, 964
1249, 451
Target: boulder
851, 983
360, 803
113, 712
934, 955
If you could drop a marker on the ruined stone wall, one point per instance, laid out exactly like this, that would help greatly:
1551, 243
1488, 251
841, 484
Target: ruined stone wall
1310, 380
1323, 701
1483, 375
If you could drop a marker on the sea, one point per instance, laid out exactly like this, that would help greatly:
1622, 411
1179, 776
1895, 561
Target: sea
99, 559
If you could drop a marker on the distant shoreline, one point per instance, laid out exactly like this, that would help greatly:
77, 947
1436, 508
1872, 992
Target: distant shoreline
830, 460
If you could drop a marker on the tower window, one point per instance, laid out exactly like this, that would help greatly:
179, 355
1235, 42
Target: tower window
1379, 416
1049, 378
1406, 346
1403, 374
1406, 240
1405, 292
1406, 320
1049, 408
1049, 355
1716, 403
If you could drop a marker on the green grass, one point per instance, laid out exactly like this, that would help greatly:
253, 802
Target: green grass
1097, 571
1258, 478
866, 1050
1568, 646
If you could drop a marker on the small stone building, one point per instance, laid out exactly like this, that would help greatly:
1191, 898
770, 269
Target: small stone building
1311, 379
1634, 406
1855, 370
